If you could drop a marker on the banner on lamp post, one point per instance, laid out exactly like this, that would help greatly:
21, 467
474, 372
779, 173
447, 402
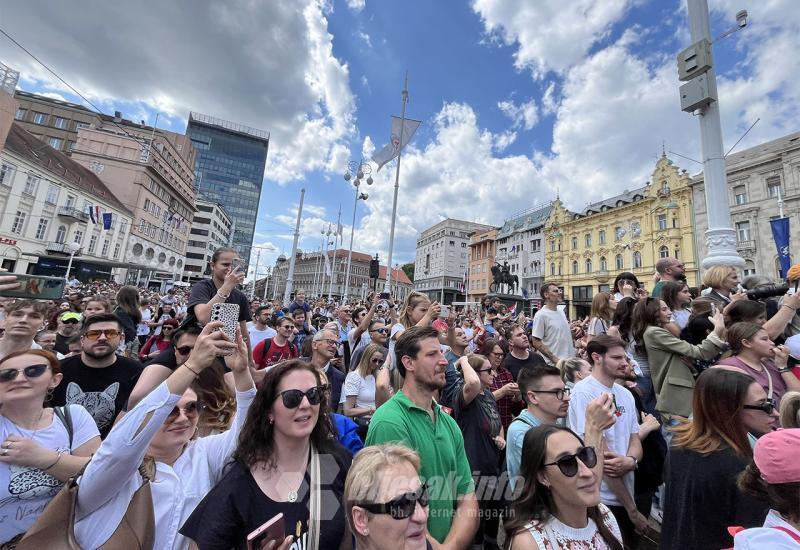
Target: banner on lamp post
780, 232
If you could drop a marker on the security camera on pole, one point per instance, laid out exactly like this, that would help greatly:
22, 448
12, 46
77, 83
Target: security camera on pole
362, 170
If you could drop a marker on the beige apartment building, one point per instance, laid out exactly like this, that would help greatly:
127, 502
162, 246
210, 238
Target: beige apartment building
54, 121
152, 173
481, 260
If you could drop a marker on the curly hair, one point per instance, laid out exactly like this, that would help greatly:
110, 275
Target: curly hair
783, 498
256, 441
219, 400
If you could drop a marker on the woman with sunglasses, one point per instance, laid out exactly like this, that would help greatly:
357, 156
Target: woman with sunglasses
288, 461
159, 433
359, 385
708, 453
385, 500
159, 342
559, 506
37, 453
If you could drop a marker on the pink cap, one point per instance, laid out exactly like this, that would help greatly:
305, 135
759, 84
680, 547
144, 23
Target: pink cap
439, 325
776, 456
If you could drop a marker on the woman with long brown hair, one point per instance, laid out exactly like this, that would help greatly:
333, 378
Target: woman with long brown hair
602, 313
708, 452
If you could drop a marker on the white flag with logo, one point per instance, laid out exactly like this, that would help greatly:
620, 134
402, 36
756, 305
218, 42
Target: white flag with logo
392, 150
327, 266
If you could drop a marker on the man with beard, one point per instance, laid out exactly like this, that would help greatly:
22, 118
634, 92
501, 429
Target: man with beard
413, 418
68, 325
98, 379
668, 269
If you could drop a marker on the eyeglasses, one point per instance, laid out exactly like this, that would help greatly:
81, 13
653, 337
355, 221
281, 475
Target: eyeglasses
401, 507
381, 330
184, 350
569, 464
192, 409
33, 371
490, 369
767, 406
70, 321
329, 341
95, 334
293, 398
559, 393
168, 328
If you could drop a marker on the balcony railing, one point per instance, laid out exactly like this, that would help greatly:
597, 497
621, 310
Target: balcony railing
746, 245
61, 248
74, 213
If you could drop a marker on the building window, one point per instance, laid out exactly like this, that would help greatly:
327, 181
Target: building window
749, 268
740, 194
81, 125
19, 221
743, 231
618, 262
637, 260
603, 264
60, 123
55, 143
92, 244
601, 235
574, 267
618, 233
552, 246
41, 229
662, 222
663, 252
552, 269
587, 239
78, 238
574, 243
61, 234
588, 265
52, 194
21, 114
6, 173
39, 118
104, 252
774, 187
559, 269
30, 185
70, 201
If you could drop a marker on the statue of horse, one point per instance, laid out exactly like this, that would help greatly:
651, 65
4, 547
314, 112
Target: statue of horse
502, 276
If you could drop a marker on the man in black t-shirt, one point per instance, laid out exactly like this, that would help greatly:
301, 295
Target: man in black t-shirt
520, 356
98, 379
68, 326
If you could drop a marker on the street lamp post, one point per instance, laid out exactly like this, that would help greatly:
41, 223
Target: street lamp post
361, 169
73, 249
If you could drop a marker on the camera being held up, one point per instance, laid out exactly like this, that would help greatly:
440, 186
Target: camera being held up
765, 292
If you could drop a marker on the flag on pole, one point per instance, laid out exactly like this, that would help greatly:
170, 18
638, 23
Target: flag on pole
94, 213
780, 232
512, 310
106, 220
392, 149
327, 266
340, 230
462, 287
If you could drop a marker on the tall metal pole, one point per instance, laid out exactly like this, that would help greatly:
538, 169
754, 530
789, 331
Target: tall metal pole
255, 275
266, 283
316, 274
387, 285
350, 250
335, 247
290, 277
720, 236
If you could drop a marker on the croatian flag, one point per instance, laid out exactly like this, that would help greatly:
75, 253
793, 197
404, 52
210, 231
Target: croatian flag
94, 213
462, 287
512, 310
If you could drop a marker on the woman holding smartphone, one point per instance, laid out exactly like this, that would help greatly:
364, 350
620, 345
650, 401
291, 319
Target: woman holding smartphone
288, 461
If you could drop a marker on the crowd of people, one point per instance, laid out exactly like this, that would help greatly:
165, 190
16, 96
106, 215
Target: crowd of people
667, 418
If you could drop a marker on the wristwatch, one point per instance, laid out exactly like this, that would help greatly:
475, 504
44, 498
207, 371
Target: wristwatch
635, 462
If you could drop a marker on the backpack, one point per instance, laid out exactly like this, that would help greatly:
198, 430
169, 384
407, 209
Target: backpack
261, 359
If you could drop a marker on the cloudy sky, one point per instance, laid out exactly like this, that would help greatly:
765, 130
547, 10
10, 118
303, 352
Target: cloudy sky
519, 99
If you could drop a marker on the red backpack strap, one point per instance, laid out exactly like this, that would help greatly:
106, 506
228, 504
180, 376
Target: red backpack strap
795, 536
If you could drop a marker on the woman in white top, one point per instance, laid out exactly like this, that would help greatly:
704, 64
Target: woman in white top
143, 328
559, 506
359, 385
161, 426
603, 306
37, 452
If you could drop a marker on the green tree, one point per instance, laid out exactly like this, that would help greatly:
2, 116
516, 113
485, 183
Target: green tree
408, 269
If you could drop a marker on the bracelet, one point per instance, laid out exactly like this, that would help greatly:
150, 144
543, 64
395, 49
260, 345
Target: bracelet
635, 462
223, 296
785, 370
790, 307
196, 374
58, 457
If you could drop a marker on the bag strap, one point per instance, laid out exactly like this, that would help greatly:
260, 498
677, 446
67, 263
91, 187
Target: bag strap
314, 502
523, 420
64, 414
795, 537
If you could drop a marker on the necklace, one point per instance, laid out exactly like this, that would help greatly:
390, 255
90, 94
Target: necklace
36, 429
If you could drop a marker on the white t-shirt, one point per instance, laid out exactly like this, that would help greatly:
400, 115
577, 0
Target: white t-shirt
24, 491
257, 336
362, 388
552, 328
396, 328
618, 436
468, 332
363, 340
142, 329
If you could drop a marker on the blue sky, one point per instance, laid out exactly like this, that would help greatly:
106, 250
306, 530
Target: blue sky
519, 100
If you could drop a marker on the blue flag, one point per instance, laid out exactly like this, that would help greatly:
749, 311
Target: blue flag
106, 220
780, 232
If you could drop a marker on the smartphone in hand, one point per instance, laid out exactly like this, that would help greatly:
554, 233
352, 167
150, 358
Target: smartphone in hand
271, 530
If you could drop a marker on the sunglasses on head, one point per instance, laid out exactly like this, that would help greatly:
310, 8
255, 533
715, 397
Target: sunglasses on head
192, 409
401, 507
569, 464
767, 406
184, 350
33, 371
95, 334
293, 398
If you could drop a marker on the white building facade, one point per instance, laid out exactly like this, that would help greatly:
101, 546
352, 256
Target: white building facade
520, 243
211, 229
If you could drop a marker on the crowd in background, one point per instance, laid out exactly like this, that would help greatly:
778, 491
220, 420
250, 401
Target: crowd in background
668, 417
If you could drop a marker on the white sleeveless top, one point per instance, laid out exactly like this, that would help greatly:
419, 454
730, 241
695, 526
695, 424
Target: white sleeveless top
554, 535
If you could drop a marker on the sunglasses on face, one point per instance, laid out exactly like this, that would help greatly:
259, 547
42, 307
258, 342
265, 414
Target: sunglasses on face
382, 330
184, 350
33, 371
490, 369
70, 321
401, 507
767, 406
376, 360
569, 464
95, 334
293, 398
191, 410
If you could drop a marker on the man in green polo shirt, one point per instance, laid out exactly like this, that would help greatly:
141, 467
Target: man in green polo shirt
412, 418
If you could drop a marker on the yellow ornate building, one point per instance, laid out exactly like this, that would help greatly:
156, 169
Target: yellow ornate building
629, 232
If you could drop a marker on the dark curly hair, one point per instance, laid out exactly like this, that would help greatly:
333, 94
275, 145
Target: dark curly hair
256, 441
783, 497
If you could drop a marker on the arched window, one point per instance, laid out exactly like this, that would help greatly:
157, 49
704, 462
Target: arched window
663, 252
61, 234
618, 262
552, 269
637, 260
575, 267
588, 265
603, 264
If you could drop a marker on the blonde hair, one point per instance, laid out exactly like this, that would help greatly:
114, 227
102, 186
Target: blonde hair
366, 470
569, 367
601, 306
365, 367
715, 276
476, 361
790, 410
412, 300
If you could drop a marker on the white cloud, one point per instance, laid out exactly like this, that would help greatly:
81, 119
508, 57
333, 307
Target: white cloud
266, 64
356, 5
523, 115
364, 37
549, 102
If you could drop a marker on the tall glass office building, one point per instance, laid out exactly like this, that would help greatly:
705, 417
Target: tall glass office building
229, 170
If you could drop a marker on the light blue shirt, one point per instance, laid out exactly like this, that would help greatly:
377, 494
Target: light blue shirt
516, 435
